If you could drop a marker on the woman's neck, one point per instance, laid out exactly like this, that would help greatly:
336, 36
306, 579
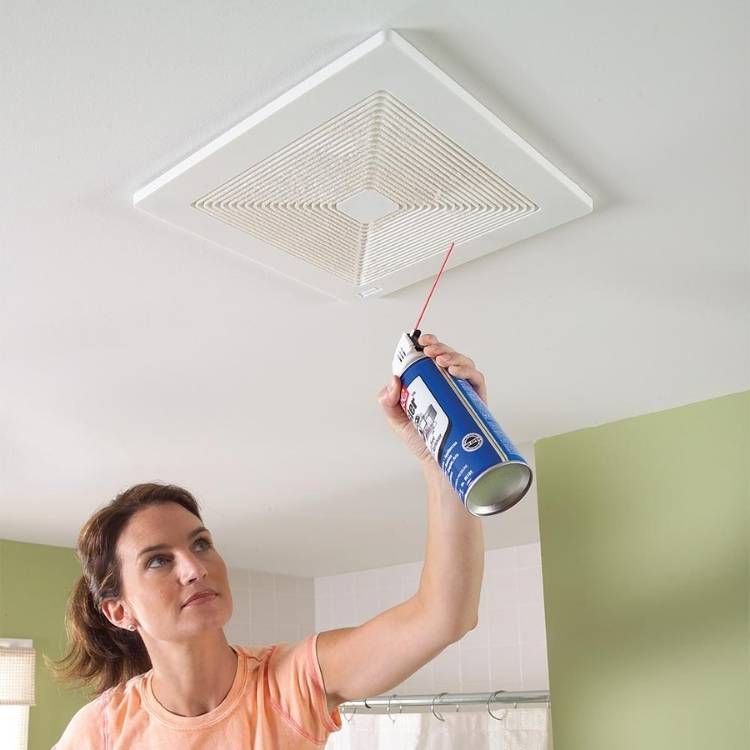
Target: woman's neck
191, 678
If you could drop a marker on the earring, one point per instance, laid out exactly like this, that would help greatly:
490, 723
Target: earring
131, 627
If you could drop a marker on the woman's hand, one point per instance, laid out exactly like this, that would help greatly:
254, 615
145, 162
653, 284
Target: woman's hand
390, 396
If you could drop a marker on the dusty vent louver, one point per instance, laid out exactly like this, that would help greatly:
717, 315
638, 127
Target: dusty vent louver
360, 195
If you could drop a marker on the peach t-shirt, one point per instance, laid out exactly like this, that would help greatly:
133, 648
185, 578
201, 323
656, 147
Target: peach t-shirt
277, 700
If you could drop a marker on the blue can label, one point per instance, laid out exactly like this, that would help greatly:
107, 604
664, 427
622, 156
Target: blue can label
456, 425
490, 422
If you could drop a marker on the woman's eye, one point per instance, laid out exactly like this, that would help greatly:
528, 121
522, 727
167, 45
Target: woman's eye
158, 559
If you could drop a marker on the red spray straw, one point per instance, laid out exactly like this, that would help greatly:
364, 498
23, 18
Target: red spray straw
440, 273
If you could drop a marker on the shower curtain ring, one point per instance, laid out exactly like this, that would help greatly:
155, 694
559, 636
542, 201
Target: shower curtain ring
388, 707
489, 710
437, 697
349, 718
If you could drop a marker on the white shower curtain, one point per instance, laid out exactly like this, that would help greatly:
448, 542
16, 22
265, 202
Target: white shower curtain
521, 728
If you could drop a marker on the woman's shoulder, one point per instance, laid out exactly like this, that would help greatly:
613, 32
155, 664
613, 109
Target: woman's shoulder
88, 727
85, 729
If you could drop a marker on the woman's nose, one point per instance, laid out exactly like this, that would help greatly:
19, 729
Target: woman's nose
191, 569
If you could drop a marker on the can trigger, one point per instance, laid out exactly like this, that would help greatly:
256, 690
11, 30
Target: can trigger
414, 336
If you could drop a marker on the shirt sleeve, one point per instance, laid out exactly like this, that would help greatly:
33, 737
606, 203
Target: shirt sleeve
86, 730
297, 692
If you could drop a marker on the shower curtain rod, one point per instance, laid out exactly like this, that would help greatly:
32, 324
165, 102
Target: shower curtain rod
398, 703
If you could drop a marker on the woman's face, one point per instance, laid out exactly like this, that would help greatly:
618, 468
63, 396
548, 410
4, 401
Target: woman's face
166, 557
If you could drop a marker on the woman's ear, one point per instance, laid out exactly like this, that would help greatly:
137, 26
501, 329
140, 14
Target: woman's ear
116, 611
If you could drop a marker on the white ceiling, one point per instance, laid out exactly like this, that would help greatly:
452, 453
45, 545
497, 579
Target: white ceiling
134, 352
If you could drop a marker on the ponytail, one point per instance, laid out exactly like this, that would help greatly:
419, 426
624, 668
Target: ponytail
100, 655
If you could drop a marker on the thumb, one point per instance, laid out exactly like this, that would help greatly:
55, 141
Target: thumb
390, 395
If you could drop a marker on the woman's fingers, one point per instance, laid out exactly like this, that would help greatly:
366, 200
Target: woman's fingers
473, 376
467, 373
457, 364
432, 349
454, 358
444, 355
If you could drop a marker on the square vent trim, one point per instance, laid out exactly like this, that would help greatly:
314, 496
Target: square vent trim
355, 180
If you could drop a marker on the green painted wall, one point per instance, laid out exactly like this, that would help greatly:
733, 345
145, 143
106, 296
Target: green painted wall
644, 538
35, 581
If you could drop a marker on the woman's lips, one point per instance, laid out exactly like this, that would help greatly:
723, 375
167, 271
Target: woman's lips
200, 599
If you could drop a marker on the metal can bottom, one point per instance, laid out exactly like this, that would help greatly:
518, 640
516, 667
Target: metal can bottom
498, 488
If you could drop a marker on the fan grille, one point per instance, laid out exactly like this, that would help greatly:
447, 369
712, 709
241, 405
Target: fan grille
443, 193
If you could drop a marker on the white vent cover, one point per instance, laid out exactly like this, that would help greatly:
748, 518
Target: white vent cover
357, 179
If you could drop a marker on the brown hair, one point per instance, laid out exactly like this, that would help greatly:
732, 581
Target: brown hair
101, 655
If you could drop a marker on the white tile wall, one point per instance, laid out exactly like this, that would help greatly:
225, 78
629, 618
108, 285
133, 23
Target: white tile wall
506, 651
269, 608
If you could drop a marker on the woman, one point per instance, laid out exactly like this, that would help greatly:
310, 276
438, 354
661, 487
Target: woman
145, 627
